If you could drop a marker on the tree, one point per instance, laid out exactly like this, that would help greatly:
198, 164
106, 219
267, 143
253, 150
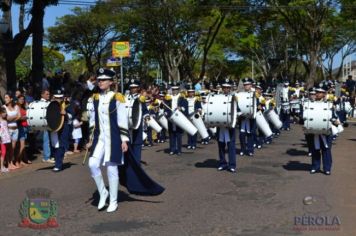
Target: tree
53, 60
87, 32
307, 21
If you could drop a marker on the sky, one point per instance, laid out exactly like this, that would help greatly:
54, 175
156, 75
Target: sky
51, 14
54, 12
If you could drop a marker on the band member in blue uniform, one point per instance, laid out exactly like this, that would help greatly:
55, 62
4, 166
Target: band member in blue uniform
162, 134
309, 137
247, 125
136, 133
110, 140
286, 93
61, 137
227, 137
322, 143
175, 101
194, 106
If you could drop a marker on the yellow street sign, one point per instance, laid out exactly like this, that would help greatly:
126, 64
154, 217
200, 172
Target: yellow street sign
121, 49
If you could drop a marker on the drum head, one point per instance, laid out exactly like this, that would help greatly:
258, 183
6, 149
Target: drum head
136, 114
53, 116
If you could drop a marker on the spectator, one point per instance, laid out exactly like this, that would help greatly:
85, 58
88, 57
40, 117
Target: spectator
5, 139
46, 148
23, 130
29, 95
350, 84
13, 115
77, 132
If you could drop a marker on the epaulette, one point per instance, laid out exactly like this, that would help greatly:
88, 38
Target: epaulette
302, 89
155, 102
263, 100
291, 89
257, 95
150, 107
95, 96
119, 97
330, 97
167, 97
343, 90
183, 94
142, 99
197, 98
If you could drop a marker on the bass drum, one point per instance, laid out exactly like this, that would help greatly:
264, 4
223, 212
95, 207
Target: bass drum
247, 104
221, 110
43, 115
134, 112
317, 117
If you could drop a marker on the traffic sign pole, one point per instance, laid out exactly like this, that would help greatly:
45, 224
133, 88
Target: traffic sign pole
122, 75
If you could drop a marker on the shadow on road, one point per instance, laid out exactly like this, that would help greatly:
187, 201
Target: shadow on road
65, 166
210, 163
296, 165
352, 139
122, 197
295, 152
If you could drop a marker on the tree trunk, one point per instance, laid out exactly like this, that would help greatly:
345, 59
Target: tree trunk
8, 47
37, 48
312, 68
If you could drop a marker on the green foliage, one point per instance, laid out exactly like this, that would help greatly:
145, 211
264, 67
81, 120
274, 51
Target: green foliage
52, 60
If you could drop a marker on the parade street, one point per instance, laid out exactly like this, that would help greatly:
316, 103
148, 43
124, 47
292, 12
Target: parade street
268, 195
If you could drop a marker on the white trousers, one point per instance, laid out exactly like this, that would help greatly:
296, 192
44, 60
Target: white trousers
95, 163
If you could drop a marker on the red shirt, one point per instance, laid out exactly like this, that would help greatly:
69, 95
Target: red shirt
23, 113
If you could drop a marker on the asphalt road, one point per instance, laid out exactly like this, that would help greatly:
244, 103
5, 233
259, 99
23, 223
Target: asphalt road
265, 197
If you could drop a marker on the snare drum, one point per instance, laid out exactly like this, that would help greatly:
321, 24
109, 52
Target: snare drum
295, 106
247, 104
220, 110
317, 117
285, 107
44, 115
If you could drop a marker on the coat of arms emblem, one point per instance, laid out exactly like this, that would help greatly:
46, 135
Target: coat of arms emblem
38, 210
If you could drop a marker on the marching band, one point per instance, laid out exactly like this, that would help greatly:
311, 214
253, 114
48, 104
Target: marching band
122, 124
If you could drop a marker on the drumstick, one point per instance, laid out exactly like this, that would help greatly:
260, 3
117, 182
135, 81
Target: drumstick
87, 151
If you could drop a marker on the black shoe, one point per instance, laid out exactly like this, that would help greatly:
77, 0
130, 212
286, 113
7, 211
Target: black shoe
250, 154
179, 153
327, 173
171, 153
221, 168
313, 171
232, 170
193, 147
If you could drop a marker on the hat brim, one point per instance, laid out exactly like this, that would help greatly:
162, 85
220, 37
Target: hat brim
246, 83
226, 85
104, 77
58, 96
320, 90
175, 87
134, 85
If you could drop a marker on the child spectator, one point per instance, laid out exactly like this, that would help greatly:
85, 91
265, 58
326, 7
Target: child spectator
4, 138
77, 133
